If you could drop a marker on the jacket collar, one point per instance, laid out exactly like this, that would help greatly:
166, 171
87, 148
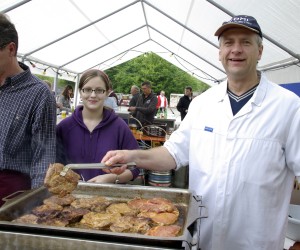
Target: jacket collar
258, 95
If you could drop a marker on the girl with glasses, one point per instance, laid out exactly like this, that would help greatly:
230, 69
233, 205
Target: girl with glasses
92, 130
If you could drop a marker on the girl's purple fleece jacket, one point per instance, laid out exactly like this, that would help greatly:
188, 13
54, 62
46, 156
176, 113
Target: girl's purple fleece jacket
75, 143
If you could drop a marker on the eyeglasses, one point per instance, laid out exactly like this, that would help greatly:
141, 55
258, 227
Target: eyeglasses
90, 91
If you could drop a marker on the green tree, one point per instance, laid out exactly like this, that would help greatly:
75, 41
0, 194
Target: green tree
151, 67
61, 82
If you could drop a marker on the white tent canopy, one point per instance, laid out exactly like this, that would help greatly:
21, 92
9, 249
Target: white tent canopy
71, 36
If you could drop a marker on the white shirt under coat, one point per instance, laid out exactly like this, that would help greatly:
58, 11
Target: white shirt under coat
242, 165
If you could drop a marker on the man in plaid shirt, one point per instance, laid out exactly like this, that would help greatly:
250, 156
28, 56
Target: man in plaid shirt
28, 119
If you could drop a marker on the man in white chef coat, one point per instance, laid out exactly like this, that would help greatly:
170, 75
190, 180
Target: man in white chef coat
241, 141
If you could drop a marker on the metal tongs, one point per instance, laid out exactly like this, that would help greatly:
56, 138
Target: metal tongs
66, 168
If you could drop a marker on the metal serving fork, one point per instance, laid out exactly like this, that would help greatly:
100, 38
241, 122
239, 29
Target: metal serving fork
130, 165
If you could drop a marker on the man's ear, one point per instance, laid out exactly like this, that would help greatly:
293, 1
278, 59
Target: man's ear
12, 49
260, 50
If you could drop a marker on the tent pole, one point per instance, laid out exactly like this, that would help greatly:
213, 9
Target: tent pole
15, 6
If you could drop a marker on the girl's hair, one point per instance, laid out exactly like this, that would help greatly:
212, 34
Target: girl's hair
65, 93
88, 75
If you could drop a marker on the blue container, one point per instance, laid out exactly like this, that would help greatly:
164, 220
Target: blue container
160, 178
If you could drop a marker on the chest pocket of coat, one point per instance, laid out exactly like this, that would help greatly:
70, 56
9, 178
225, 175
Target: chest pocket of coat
206, 146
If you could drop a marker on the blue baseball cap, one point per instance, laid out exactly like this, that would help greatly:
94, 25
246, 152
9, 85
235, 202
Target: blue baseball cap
241, 21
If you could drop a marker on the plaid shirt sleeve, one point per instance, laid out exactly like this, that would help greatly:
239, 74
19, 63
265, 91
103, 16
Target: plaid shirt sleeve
43, 140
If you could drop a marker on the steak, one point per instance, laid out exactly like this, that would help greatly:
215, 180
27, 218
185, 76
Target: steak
156, 205
120, 208
48, 211
72, 215
160, 210
27, 219
98, 220
131, 224
62, 201
58, 184
164, 231
161, 218
56, 222
95, 204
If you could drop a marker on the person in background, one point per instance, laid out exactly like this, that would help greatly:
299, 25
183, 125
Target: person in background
92, 130
28, 119
145, 108
241, 141
111, 93
134, 91
49, 84
111, 103
184, 102
65, 99
162, 102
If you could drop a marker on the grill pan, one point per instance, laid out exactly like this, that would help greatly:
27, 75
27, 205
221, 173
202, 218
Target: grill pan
189, 206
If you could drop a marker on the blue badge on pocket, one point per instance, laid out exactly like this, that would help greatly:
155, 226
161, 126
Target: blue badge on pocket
208, 129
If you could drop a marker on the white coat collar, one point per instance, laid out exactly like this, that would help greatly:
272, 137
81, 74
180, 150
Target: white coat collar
258, 96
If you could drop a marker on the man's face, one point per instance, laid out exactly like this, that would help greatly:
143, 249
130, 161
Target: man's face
239, 52
6, 59
187, 92
133, 91
146, 90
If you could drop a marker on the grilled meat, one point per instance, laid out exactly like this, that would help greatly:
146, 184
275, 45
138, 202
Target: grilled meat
154, 217
120, 208
98, 220
131, 224
164, 231
62, 201
162, 211
73, 215
60, 185
96, 204
156, 205
48, 211
137, 203
161, 218
56, 222
27, 219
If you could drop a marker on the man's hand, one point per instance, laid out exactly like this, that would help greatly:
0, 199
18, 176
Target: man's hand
131, 108
105, 178
113, 157
115, 170
59, 105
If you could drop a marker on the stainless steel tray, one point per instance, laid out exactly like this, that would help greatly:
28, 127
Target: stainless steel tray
188, 204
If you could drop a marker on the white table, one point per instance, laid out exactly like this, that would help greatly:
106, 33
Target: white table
124, 114
170, 121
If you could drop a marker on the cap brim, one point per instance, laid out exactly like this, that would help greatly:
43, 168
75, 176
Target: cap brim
232, 25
